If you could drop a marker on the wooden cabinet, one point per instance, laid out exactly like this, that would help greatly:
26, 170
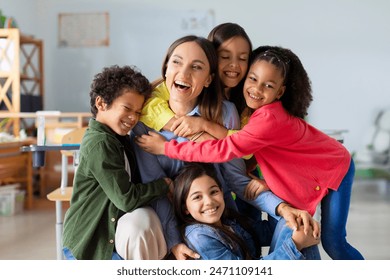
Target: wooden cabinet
16, 167
21, 74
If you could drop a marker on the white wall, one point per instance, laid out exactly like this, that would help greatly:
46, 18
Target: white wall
344, 45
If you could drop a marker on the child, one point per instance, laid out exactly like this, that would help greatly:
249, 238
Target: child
234, 47
107, 184
301, 164
216, 232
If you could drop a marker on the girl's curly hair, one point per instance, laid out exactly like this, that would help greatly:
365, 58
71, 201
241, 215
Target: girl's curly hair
298, 94
113, 81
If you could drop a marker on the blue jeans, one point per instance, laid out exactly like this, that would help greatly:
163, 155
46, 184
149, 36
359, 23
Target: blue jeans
69, 256
334, 214
283, 232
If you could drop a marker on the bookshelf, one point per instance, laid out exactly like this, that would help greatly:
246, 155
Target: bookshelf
21, 74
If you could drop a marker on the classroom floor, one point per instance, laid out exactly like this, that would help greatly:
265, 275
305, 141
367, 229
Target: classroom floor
31, 234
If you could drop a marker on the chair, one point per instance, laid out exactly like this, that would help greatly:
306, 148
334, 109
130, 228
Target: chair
64, 192
373, 162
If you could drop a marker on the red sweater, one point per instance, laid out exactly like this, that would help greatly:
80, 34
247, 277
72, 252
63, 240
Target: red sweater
298, 162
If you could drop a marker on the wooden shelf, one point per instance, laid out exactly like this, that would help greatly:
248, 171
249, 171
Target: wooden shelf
22, 72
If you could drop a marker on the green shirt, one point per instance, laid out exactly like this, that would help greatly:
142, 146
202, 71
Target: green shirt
102, 193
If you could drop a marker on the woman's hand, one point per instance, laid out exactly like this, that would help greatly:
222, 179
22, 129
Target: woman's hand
182, 252
296, 218
152, 143
254, 188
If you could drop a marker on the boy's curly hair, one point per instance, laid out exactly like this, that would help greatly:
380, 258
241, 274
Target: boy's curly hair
113, 81
298, 94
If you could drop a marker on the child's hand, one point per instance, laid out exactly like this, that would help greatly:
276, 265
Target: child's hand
302, 239
254, 188
182, 252
152, 143
187, 125
296, 217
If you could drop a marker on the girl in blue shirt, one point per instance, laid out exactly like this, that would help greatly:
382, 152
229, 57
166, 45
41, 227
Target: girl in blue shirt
217, 233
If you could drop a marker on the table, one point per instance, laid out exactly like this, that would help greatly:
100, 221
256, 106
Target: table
74, 119
61, 194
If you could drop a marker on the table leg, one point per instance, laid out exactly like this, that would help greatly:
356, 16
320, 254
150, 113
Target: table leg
59, 228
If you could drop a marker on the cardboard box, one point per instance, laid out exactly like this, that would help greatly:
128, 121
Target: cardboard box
11, 200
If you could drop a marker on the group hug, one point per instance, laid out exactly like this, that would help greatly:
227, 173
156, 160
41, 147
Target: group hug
214, 160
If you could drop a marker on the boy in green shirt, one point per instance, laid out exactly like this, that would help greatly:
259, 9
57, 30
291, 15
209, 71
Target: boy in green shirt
107, 191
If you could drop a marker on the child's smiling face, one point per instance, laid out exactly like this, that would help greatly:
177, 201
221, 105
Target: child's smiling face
205, 202
123, 114
263, 84
233, 56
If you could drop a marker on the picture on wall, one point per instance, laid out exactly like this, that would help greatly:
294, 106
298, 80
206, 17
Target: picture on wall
83, 29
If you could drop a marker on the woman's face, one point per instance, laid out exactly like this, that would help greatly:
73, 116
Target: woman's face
205, 202
233, 56
263, 84
187, 73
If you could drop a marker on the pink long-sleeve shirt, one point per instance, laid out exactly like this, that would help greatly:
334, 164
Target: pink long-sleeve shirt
298, 162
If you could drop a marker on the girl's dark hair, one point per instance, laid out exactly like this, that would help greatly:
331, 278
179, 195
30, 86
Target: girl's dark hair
210, 100
225, 31
182, 185
113, 81
298, 94
220, 34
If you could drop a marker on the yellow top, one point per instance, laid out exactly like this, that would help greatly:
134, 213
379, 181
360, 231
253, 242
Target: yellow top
156, 112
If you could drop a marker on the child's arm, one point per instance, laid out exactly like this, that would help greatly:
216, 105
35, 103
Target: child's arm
255, 187
113, 178
296, 217
156, 114
187, 126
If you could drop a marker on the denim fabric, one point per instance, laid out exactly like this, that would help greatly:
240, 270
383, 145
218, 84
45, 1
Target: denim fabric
212, 244
282, 240
69, 256
334, 214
